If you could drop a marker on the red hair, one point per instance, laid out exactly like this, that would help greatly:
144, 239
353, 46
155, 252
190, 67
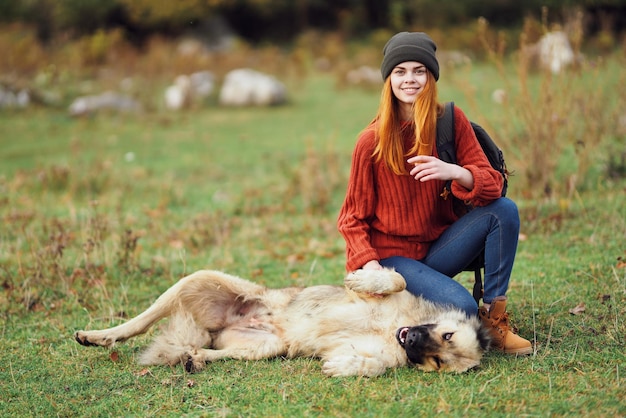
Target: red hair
389, 126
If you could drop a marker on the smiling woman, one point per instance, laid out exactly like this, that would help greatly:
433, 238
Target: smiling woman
395, 214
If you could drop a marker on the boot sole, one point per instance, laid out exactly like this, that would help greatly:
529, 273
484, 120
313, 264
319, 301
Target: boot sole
520, 351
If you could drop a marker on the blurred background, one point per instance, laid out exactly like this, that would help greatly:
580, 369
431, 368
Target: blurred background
50, 40
523, 68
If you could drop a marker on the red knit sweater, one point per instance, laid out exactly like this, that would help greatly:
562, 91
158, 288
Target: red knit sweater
386, 215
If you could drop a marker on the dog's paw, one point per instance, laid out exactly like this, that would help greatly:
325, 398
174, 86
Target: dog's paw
192, 363
89, 339
352, 366
375, 282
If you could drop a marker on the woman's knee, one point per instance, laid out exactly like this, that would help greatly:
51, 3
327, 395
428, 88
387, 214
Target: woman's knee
507, 208
436, 287
506, 212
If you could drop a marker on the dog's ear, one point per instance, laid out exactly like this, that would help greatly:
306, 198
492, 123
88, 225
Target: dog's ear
484, 338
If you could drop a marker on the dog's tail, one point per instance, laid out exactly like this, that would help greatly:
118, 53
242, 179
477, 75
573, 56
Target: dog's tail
177, 343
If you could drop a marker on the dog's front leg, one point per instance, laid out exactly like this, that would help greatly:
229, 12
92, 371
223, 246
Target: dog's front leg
362, 356
353, 365
375, 282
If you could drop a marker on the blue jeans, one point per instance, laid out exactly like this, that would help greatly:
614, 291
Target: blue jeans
493, 228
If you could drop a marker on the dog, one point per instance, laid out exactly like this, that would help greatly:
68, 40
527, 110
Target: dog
367, 326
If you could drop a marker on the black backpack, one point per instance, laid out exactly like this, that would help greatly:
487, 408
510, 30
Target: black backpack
446, 148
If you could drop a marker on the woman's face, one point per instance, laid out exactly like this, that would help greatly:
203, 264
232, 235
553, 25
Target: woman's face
407, 82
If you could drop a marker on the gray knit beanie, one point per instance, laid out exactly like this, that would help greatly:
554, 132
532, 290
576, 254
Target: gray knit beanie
409, 46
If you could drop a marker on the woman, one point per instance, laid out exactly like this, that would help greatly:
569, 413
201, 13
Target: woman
395, 214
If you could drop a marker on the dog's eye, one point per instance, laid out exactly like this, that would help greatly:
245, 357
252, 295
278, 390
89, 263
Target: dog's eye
448, 336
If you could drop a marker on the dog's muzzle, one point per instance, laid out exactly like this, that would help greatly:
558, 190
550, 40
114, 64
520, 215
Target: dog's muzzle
413, 336
401, 335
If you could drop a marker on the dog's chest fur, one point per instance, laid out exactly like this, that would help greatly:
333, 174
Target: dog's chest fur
333, 315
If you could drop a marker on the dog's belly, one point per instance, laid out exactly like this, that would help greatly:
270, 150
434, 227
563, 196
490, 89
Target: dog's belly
251, 330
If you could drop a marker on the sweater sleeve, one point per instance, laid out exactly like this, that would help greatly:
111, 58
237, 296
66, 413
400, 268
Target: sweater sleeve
359, 205
488, 182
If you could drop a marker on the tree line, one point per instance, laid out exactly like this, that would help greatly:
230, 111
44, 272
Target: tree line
280, 20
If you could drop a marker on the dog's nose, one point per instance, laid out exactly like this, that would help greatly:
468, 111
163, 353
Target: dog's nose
417, 334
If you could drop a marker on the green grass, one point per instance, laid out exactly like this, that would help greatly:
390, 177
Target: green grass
89, 237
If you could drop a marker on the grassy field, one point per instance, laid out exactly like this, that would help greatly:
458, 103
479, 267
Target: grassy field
102, 214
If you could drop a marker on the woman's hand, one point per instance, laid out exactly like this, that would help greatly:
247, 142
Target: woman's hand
372, 265
428, 168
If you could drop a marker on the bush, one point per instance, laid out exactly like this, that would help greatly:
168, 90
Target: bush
22, 53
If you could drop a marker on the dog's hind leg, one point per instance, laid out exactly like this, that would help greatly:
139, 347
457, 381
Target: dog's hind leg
253, 342
161, 308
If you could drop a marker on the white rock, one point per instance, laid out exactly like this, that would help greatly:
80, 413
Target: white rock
247, 87
106, 101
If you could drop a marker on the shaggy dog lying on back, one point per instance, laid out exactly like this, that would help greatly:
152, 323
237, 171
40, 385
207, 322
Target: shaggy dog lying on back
363, 328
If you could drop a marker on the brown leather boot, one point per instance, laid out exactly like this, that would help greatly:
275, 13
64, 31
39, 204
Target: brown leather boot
496, 320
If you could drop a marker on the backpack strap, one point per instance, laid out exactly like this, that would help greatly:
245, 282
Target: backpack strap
446, 147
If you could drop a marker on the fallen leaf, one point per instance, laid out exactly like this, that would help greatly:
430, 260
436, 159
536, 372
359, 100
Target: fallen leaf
142, 372
580, 308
